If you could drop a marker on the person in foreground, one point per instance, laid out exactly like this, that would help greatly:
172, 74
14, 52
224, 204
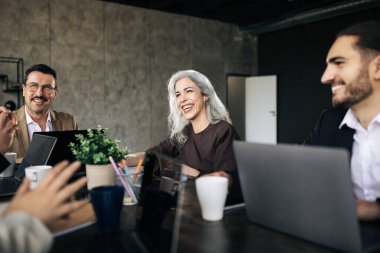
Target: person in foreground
353, 71
23, 220
200, 130
39, 91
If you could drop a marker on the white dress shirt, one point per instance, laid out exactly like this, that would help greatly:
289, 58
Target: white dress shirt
34, 127
365, 159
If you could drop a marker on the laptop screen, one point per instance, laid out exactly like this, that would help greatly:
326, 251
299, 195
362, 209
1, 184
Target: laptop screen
302, 191
158, 211
38, 153
61, 150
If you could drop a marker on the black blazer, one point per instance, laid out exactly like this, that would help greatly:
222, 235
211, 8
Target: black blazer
327, 132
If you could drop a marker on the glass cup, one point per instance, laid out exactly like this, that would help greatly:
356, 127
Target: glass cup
134, 180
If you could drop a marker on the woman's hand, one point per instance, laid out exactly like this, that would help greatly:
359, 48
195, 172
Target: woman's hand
221, 173
133, 159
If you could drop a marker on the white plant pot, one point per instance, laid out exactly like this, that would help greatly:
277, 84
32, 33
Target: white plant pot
98, 175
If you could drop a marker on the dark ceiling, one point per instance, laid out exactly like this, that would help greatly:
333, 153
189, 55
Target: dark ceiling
241, 12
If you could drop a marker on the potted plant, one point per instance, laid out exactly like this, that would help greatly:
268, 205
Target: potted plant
94, 150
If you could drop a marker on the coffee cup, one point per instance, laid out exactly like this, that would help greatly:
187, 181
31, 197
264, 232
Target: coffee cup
36, 174
212, 193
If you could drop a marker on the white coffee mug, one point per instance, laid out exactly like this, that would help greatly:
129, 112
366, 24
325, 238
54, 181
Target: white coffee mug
35, 174
10, 170
212, 193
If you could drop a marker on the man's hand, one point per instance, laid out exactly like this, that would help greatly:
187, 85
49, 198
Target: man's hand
8, 125
367, 210
49, 200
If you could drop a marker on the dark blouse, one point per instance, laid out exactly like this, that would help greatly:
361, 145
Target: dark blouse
208, 151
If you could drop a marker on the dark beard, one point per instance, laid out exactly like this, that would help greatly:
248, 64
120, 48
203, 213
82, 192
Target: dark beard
358, 90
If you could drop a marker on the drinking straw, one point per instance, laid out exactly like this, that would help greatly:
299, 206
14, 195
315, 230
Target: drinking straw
128, 174
126, 185
124, 169
137, 170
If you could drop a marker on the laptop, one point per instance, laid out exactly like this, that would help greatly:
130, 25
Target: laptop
61, 150
158, 213
38, 153
303, 191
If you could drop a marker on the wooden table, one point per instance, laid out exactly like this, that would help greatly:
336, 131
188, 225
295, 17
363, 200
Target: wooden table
233, 234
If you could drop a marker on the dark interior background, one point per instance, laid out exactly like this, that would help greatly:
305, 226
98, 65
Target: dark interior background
297, 56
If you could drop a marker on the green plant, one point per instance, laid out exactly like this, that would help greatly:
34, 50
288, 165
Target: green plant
96, 147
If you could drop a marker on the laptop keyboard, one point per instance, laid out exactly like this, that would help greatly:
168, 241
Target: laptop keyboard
8, 186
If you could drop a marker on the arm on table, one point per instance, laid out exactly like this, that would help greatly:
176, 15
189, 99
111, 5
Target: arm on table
133, 159
367, 210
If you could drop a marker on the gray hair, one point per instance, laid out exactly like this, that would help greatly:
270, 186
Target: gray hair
215, 109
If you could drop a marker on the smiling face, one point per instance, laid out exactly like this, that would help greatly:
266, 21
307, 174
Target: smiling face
38, 102
190, 101
347, 73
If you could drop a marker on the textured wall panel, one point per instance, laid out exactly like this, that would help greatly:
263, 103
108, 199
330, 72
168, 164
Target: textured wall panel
24, 20
128, 97
113, 61
77, 23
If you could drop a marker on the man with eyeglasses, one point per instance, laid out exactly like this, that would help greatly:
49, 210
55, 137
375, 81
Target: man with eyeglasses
39, 91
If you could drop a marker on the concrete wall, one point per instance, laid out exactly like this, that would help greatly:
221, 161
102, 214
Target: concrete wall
113, 61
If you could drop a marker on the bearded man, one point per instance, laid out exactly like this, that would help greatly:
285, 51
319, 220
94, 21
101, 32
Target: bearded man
39, 91
353, 71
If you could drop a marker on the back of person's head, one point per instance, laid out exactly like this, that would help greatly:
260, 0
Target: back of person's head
368, 34
215, 109
43, 68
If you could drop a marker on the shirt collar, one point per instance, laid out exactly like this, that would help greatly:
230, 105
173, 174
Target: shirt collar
352, 121
30, 120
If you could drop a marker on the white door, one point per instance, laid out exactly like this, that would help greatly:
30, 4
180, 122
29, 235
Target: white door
260, 109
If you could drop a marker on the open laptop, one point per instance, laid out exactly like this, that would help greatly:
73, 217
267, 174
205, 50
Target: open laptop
303, 191
159, 210
38, 153
61, 150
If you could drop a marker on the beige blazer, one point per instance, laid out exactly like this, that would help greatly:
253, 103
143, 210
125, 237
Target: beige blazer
60, 121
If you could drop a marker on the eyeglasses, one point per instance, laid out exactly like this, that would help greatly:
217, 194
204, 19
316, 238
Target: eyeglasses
46, 88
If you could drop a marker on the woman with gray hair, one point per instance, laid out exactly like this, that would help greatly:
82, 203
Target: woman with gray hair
200, 129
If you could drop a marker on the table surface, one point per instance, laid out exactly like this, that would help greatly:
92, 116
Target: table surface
232, 234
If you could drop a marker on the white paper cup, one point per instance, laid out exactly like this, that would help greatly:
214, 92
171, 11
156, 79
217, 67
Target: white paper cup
35, 174
212, 194
10, 170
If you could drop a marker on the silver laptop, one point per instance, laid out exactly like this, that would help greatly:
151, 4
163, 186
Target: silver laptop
302, 191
